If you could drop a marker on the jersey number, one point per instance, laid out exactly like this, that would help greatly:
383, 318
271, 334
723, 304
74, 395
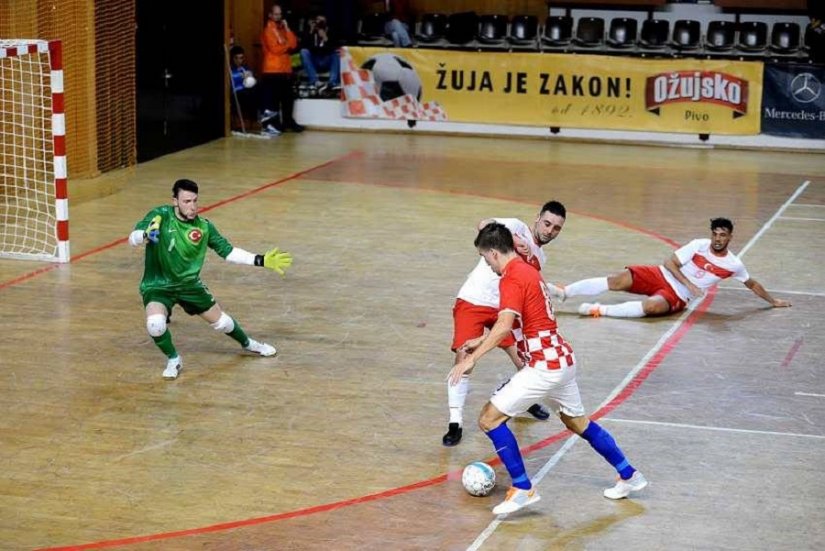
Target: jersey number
547, 302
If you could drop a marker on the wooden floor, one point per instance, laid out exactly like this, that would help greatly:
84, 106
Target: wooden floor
336, 442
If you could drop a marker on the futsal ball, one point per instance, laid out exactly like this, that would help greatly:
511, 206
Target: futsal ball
394, 76
249, 81
478, 478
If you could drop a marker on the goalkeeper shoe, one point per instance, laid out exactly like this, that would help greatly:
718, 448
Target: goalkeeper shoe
261, 348
590, 309
556, 291
173, 367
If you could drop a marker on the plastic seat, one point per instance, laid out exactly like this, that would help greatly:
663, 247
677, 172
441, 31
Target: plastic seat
492, 29
432, 28
654, 33
372, 26
558, 30
524, 30
622, 33
785, 38
687, 34
721, 36
753, 36
590, 32
462, 28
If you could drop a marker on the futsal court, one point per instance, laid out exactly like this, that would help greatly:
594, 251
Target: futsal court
335, 443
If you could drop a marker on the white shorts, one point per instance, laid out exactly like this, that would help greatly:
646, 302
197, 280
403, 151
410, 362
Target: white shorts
555, 387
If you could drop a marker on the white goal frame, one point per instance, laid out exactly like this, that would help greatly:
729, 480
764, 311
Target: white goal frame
33, 151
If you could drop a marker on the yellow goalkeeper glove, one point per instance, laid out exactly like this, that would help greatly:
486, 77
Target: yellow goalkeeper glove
277, 260
153, 229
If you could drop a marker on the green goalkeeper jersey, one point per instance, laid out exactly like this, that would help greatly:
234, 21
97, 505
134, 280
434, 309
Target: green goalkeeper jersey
175, 261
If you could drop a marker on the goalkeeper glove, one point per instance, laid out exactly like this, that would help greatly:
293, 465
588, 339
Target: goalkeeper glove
153, 230
275, 260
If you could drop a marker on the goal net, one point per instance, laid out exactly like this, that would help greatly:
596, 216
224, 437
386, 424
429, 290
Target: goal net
34, 210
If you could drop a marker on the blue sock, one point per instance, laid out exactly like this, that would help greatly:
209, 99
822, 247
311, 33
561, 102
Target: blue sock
603, 443
507, 449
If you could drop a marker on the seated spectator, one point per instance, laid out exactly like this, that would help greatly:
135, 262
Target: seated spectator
245, 89
277, 94
396, 28
816, 30
319, 51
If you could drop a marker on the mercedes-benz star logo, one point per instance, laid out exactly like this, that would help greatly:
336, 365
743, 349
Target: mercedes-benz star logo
805, 88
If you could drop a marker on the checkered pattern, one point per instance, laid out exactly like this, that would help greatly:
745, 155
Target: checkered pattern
361, 99
549, 350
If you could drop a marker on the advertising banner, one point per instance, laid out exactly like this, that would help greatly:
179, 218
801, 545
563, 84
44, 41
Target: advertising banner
554, 90
793, 103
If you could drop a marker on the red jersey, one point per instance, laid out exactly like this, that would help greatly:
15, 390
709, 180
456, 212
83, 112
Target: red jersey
524, 293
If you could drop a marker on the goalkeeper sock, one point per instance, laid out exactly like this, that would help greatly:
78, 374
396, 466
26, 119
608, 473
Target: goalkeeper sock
239, 334
164, 342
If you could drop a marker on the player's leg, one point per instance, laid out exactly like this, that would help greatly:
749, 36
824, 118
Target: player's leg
222, 322
469, 321
157, 306
508, 401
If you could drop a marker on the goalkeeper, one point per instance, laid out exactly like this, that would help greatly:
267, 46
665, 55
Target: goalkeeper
176, 240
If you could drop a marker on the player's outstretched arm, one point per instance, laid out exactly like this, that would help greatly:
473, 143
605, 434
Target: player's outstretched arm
763, 293
275, 259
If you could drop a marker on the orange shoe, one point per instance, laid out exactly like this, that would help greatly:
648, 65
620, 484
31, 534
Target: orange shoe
516, 499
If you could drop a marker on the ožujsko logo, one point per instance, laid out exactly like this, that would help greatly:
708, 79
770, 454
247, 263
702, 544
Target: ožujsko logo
697, 87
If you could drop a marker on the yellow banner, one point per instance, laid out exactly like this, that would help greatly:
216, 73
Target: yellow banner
555, 90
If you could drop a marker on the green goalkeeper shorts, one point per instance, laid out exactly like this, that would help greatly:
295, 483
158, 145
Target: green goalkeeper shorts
194, 300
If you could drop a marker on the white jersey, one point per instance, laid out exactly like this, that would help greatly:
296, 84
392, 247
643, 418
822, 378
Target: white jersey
481, 287
702, 267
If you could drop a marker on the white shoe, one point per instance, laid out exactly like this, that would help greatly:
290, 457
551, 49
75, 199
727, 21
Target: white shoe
270, 130
261, 348
590, 309
267, 115
515, 500
173, 367
623, 488
556, 291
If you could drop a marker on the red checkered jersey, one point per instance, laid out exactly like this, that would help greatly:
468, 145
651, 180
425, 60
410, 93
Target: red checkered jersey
524, 293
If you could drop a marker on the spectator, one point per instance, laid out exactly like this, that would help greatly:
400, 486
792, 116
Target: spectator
245, 90
320, 51
396, 28
278, 42
816, 30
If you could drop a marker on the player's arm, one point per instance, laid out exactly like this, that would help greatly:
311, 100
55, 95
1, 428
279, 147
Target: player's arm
763, 293
673, 265
502, 327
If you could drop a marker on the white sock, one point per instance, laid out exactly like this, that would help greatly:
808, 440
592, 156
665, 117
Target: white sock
456, 396
587, 287
632, 309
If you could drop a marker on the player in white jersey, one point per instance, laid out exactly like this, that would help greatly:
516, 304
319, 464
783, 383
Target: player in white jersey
477, 303
684, 276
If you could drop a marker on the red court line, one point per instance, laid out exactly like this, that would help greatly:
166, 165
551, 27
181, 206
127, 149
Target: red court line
797, 344
122, 240
628, 391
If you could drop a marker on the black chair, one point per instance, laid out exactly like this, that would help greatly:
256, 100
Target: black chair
462, 28
785, 38
721, 36
590, 32
524, 30
432, 28
753, 36
687, 34
372, 27
558, 31
654, 34
492, 30
622, 33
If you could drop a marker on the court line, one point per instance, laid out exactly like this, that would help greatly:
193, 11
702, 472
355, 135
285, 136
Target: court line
797, 344
809, 394
717, 429
122, 240
647, 364
804, 219
782, 291
631, 382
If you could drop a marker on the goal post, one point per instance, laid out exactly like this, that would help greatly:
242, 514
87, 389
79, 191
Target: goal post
34, 207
